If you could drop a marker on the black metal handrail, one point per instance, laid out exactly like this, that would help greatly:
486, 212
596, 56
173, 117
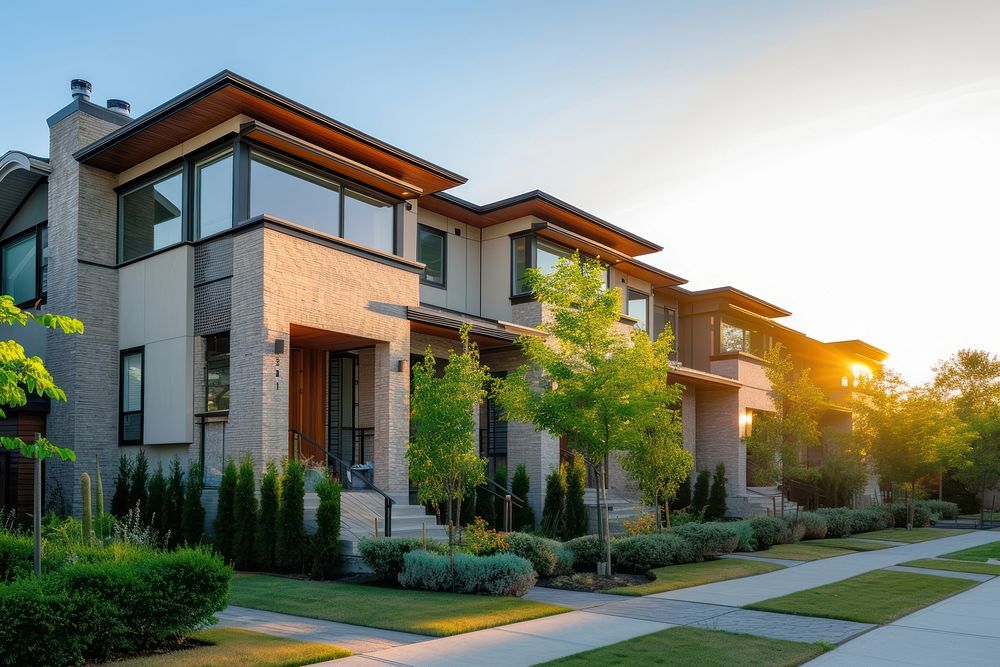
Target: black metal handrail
344, 472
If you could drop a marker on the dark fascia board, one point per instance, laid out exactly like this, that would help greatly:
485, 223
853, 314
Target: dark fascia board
444, 319
862, 348
92, 109
549, 199
228, 78
780, 312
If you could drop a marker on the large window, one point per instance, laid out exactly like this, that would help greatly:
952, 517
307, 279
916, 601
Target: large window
638, 307
547, 254
740, 338
662, 318
217, 372
530, 252
369, 221
520, 250
294, 194
130, 424
214, 195
151, 217
432, 251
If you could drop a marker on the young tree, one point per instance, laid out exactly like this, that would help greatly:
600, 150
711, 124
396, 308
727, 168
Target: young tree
779, 438
245, 515
193, 515
225, 511
909, 432
701, 485
267, 523
716, 508
442, 453
581, 381
554, 506
575, 521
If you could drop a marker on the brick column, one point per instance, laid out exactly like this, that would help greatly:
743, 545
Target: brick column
392, 417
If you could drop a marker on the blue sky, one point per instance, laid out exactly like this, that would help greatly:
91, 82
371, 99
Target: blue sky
839, 158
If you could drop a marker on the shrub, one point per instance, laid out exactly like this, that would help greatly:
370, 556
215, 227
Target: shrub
173, 502
921, 515
641, 553
156, 496
193, 512
538, 551
683, 499
586, 551
384, 555
565, 560
499, 574
942, 508
794, 531
767, 531
814, 525
716, 508
479, 539
684, 517
267, 518
575, 521
554, 507
744, 532
838, 521
524, 516
868, 519
643, 524
485, 508
225, 513
119, 501
700, 499
137, 496
326, 541
244, 515
17, 557
291, 517
710, 540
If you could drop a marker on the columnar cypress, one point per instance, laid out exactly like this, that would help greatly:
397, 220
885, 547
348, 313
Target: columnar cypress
683, 498
326, 541
716, 508
156, 498
291, 519
137, 494
119, 501
575, 523
524, 516
485, 507
554, 507
267, 518
224, 516
193, 515
700, 500
173, 503
245, 515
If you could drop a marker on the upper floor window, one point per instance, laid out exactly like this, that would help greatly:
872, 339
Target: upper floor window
369, 221
638, 307
25, 264
294, 194
662, 318
213, 185
432, 248
217, 372
151, 217
740, 338
531, 252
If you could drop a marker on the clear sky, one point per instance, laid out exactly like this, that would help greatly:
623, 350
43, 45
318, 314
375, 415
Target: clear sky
840, 159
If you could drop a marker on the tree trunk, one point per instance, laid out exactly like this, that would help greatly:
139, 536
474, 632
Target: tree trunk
666, 511
656, 510
602, 505
909, 504
451, 542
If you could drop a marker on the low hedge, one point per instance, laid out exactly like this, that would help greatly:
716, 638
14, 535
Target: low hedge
921, 515
548, 557
498, 575
869, 519
813, 524
92, 611
839, 521
640, 553
712, 539
586, 552
941, 508
384, 555
768, 531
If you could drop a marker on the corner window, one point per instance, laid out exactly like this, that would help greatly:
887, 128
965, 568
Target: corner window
740, 338
150, 217
130, 423
664, 317
213, 191
520, 253
294, 194
19, 269
369, 221
638, 307
217, 372
547, 254
432, 251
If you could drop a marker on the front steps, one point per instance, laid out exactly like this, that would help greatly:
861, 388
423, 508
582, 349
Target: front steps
619, 509
768, 500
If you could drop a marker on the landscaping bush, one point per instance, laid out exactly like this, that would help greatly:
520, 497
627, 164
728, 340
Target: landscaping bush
384, 555
524, 516
500, 477
586, 551
838, 521
17, 555
157, 495
173, 503
326, 541
716, 508
710, 540
223, 526
641, 553
869, 519
744, 531
554, 506
119, 501
794, 530
538, 551
267, 518
643, 524
942, 508
575, 521
245, 515
193, 512
921, 515
479, 539
700, 499
814, 525
291, 548
137, 496
499, 574
767, 531
485, 508
683, 499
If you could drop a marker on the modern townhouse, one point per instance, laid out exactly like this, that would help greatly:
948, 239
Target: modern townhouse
256, 277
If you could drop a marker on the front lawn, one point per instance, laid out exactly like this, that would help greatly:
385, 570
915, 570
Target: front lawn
673, 577
982, 553
848, 543
911, 536
803, 551
879, 597
421, 612
955, 566
231, 646
695, 646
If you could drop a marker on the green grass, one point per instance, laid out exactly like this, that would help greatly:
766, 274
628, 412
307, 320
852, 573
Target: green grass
989, 516
421, 612
672, 577
227, 647
982, 553
911, 536
954, 566
803, 551
695, 646
873, 597
847, 543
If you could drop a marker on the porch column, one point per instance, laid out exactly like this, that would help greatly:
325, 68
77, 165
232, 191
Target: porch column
392, 417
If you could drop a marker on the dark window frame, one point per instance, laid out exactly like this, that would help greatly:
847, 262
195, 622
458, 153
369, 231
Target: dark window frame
216, 360
40, 295
141, 349
647, 297
532, 260
443, 235
204, 157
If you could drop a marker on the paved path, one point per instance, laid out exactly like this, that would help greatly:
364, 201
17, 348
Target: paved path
961, 630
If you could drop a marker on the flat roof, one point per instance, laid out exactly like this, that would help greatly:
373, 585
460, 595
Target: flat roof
738, 297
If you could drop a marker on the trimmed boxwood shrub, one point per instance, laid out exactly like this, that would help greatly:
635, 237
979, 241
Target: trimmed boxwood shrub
586, 551
745, 532
921, 515
767, 531
499, 574
384, 555
814, 525
942, 508
869, 519
540, 552
794, 531
838, 521
709, 540
640, 553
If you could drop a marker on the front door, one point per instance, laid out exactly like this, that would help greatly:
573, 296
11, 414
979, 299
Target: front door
306, 400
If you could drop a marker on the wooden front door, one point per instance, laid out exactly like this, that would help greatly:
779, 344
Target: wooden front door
307, 399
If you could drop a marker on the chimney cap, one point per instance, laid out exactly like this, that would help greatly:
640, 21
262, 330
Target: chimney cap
80, 89
121, 106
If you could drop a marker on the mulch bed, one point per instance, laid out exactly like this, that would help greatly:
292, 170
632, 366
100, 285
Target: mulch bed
588, 582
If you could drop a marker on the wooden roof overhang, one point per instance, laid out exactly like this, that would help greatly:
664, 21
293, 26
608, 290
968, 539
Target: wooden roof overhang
690, 377
546, 207
734, 297
487, 334
227, 95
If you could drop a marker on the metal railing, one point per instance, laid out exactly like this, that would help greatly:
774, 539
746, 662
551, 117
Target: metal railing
507, 497
341, 471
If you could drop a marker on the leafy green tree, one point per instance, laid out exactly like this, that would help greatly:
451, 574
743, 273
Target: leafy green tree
779, 439
245, 515
291, 547
716, 508
226, 512
575, 522
326, 541
581, 380
267, 520
193, 514
520, 484
701, 485
442, 452
157, 497
554, 506
119, 501
137, 492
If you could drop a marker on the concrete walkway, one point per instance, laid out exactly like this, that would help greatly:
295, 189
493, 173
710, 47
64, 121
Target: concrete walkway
961, 630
